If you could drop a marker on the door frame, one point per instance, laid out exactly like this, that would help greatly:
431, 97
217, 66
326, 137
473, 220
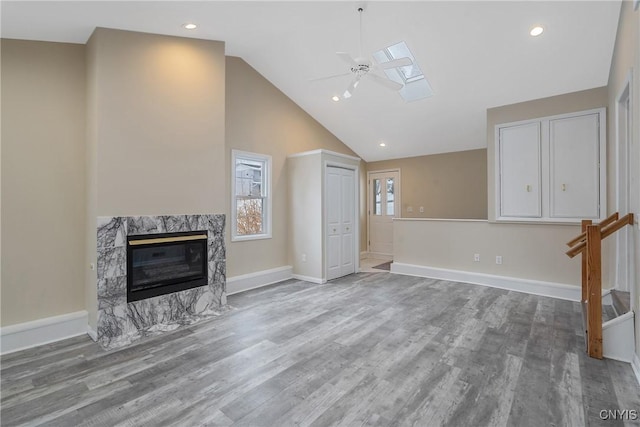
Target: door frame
356, 214
397, 196
623, 154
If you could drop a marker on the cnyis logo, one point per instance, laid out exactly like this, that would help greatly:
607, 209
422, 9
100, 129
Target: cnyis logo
619, 414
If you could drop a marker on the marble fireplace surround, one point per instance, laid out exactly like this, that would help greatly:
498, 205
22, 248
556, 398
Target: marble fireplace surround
119, 322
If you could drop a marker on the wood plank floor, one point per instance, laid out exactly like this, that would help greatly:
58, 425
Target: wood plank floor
367, 349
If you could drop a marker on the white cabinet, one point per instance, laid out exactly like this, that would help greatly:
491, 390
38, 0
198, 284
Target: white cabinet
520, 171
552, 169
323, 213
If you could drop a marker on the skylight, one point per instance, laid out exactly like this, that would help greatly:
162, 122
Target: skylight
415, 83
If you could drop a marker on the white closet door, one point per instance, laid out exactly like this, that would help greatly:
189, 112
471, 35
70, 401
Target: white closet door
347, 264
574, 150
520, 171
340, 205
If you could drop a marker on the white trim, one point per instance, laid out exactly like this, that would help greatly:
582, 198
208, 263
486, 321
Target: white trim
534, 287
617, 338
258, 279
364, 255
92, 333
378, 255
545, 190
42, 331
635, 364
267, 227
317, 280
441, 219
322, 151
623, 152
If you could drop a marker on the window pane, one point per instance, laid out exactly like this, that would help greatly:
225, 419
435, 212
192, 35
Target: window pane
249, 216
377, 205
390, 197
249, 177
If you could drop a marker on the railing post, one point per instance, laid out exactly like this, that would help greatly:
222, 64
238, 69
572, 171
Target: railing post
594, 285
585, 290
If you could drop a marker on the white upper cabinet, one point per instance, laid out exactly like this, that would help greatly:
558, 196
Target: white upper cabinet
519, 148
552, 169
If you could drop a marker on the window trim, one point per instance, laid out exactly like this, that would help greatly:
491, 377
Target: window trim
266, 176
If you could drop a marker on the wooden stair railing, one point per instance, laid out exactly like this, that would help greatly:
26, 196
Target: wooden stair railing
589, 244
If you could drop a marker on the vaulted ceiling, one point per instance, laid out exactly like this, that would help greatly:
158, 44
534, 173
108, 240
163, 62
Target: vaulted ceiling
476, 55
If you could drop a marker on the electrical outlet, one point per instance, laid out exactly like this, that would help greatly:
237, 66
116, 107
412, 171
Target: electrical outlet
410, 209
421, 209
476, 257
498, 259
304, 257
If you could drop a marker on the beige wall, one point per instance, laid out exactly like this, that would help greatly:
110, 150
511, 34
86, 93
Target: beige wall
625, 57
43, 174
528, 251
156, 130
567, 103
160, 124
451, 185
261, 119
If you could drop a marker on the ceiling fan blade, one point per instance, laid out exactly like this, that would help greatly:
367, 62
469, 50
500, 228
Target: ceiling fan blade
347, 58
385, 82
352, 87
400, 62
330, 77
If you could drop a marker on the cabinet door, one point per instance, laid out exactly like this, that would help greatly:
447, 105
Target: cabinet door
520, 171
574, 151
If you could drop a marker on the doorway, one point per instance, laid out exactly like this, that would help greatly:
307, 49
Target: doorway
383, 199
341, 228
624, 244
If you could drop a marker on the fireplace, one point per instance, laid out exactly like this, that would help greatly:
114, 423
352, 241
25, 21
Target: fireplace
160, 264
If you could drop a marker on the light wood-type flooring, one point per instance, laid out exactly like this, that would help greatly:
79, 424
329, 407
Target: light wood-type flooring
367, 349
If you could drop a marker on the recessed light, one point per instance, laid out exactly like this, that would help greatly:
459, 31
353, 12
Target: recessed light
536, 31
335, 98
382, 144
189, 26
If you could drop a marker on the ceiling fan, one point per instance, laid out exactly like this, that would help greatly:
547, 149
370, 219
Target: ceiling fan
361, 67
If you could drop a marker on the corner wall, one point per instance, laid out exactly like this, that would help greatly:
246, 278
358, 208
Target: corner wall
626, 59
450, 185
261, 119
156, 130
43, 180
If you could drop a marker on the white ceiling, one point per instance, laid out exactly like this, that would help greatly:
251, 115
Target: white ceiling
476, 55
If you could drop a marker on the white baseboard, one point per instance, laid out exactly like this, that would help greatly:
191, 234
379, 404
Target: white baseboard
92, 333
379, 255
258, 279
42, 331
535, 287
635, 364
364, 255
318, 280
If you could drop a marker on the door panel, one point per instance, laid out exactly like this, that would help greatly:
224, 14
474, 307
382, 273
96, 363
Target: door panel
341, 211
384, 192
520, 171
575, 172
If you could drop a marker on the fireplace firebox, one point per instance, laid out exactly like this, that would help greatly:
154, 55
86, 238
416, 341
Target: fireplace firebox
159, 264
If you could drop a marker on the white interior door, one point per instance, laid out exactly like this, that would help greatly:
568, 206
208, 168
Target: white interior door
384, 205
341, 217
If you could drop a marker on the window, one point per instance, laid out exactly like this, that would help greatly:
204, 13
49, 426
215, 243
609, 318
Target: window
415, 83
251, 196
